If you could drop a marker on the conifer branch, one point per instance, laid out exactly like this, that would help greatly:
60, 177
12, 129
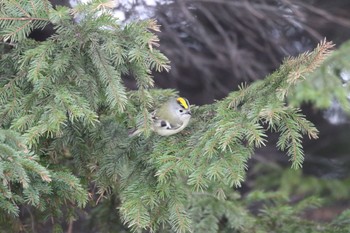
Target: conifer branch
17, 19
30, 19
303, 65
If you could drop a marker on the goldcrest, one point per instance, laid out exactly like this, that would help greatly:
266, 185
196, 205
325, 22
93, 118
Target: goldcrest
172, 117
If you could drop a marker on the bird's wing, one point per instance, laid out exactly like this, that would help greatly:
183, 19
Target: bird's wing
164, 124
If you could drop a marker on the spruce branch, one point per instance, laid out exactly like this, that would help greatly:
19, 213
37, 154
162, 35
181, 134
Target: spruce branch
179, 218
19, 18
326, 86
228, 139
19, 165
304, 64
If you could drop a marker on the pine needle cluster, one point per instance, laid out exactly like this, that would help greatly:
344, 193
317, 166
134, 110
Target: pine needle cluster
65, 115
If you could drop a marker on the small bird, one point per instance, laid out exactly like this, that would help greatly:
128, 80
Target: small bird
171, 118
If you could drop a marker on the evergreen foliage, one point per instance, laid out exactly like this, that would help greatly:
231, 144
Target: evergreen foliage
63, 101
328, 84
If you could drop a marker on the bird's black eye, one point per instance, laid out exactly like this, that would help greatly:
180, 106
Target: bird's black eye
181, 110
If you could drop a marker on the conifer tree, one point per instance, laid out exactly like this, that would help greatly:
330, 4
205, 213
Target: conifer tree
65, 115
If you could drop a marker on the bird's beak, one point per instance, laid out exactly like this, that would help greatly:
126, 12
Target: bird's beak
189, 113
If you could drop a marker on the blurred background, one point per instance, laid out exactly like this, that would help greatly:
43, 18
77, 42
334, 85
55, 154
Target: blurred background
215, 45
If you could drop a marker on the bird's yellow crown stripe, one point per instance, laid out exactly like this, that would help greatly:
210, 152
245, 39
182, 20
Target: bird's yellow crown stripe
182, 102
